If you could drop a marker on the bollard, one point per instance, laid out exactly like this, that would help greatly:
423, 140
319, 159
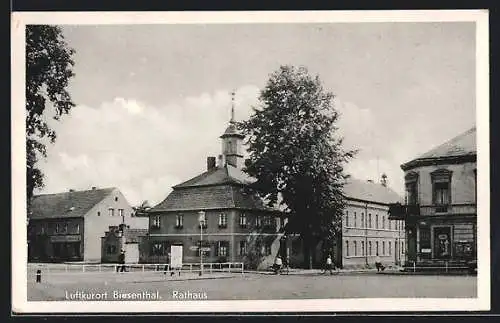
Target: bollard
38, 276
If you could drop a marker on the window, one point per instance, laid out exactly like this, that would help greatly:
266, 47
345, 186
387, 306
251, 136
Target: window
370, 248
120, 212
243, 248
156, 221
243, 220
411, 191
402, 247
355, 248
362, 220
267, 221
42, 228
383, 247
369, 220
223, 249
354, 224
77, 228
57, 227
158, 248
179, 221
98, 213
116, 199
362, 248
376, 221
441, 191
258, 221
390, 248
346, 218
383, 222
111, 211
222, 220
390, 224
376, 247
65, 228
347, 248
111, 249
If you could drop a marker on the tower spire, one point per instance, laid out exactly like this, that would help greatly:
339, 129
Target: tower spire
232, 106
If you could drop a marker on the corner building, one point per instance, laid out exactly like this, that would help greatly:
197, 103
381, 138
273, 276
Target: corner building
440, 203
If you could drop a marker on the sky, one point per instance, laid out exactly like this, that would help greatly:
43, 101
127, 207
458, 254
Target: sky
152, 100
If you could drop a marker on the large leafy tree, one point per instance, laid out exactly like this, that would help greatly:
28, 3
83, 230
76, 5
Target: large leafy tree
49, 66
296, 155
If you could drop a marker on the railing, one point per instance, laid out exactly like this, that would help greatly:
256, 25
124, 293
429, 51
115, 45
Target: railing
446, 266
229, 267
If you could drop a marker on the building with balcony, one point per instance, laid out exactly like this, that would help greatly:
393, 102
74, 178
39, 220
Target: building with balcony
68, 226
237, 225
440, 203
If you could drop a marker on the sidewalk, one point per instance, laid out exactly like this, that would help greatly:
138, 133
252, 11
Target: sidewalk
299, 271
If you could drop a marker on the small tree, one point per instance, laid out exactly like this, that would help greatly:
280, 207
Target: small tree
296, 155
48, 69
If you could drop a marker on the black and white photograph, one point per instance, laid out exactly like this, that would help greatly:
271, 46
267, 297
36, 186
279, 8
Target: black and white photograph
250, 162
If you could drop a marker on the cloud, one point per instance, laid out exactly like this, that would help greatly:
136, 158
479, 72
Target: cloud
143, 150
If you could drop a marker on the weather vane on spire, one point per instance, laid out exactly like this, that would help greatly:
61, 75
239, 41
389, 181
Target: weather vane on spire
232, 106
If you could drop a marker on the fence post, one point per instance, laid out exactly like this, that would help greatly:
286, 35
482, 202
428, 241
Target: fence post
66, 267
242, 268
446, 264
414, 266
210, 267
100, 267
190, 268
83, 268
229, 268
143, 268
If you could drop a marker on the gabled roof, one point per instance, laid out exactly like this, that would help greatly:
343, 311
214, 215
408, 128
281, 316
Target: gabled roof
370, 191
220, 188
463, 145
67, 204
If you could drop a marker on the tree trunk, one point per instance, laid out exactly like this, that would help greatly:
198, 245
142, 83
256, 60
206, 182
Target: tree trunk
308, 252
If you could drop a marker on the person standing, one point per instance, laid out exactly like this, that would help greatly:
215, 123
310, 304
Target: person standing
121, 260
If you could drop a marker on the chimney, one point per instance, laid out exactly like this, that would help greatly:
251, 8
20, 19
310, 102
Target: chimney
71, 190
370, 181
210, 163
93, 188
383, 180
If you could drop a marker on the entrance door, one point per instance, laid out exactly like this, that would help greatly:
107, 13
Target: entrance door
442, 242
176, 256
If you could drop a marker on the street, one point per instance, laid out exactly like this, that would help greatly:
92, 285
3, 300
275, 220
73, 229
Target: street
250, 286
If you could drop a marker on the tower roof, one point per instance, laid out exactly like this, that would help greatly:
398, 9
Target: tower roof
232, 131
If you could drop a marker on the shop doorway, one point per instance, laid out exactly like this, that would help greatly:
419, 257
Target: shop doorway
442, 242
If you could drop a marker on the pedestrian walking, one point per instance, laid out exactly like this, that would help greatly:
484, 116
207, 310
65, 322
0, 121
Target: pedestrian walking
329, 265
278, 264
378, 264
121, 261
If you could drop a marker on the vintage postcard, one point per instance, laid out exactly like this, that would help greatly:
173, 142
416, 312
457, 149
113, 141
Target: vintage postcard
240, 162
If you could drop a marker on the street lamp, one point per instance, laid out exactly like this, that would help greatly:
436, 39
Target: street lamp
201, 220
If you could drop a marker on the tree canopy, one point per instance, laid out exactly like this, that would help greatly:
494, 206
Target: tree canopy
296, 154
49, 66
